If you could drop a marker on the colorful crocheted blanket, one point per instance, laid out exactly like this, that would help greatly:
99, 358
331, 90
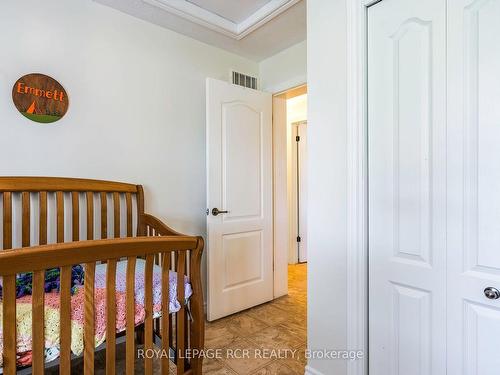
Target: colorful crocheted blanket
52, 327
24, 281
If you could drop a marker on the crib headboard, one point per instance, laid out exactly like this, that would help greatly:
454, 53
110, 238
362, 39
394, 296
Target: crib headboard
41, 210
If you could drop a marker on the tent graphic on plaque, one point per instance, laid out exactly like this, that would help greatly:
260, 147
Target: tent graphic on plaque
40, 98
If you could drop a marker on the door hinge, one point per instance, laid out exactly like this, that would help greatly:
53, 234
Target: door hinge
299, 239
297, 138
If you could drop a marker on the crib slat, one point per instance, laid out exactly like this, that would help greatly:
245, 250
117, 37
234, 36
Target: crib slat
130, 317
38, 322
116, 214
60, 216
7, 220
26, 219
42, 235
104, 215
89, 331
141, 228
173, 260
128, 200
75, 220
196, 325
90, 215
111, 317
65, 319
148, 306
165, 316
180, 317
9, 329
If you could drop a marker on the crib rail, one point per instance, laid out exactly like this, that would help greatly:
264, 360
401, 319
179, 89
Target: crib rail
180, 253
83, 209
36, 184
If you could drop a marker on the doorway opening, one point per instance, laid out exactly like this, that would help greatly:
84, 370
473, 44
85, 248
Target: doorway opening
290, 187
290, 178
290, 203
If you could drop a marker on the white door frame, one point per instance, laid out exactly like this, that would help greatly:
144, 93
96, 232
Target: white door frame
357, 184
280, 198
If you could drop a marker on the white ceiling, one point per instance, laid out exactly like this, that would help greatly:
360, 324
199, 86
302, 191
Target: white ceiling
234, 11
255, 29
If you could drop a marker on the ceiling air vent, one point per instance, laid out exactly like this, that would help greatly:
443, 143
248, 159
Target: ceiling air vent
244, 80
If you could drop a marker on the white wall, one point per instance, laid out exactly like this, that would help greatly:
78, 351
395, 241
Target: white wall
284, 70
137, 101
326, 60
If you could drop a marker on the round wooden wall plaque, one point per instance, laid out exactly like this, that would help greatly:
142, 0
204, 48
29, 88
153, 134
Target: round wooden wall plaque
40, 98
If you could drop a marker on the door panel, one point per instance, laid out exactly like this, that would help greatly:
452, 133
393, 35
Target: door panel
407, 182
411, 140
243, 262
473, 185
412, 330
239, 180
241, 151
482, 136
482, 326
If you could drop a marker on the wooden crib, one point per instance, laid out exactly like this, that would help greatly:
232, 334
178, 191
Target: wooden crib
80, 207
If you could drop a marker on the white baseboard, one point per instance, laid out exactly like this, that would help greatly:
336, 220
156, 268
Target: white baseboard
311, 371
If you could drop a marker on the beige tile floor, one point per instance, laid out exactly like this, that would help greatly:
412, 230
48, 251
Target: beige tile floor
280, 324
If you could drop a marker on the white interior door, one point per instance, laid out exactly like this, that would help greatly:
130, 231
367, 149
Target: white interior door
473, 186
407, 187
239, 181
299, 162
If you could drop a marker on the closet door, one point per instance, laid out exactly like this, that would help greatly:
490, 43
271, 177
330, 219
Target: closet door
407, 187
473, 187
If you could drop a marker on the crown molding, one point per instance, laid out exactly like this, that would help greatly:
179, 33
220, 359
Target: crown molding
203, 17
